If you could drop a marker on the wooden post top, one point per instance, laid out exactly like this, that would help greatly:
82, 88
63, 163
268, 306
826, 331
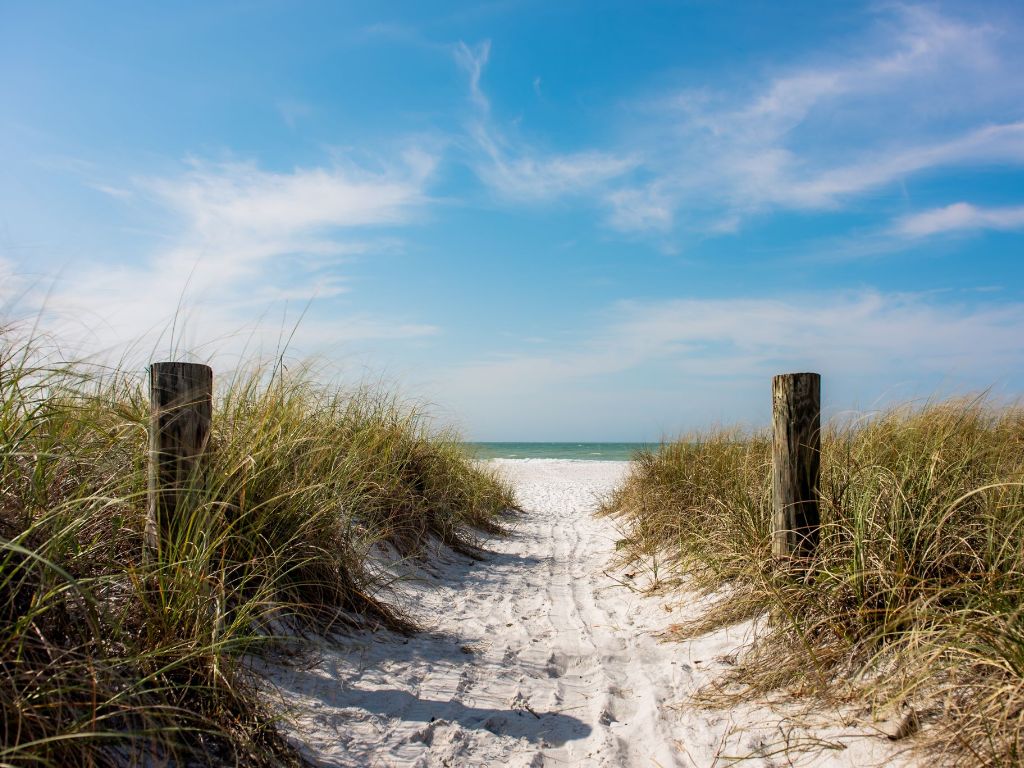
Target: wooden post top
197, 372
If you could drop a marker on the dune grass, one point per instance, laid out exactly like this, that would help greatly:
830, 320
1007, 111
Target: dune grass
109, 656
915, 598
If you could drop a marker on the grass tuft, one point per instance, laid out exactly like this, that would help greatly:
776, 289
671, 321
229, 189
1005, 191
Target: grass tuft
916, 594
110, 656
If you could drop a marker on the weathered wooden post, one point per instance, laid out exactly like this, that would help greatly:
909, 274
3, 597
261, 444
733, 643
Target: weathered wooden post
181, 407
796, 461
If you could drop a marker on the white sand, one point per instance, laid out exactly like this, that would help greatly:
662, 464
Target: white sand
538, 657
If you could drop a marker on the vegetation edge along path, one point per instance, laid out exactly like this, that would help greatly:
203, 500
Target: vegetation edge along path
110, 656
912, 599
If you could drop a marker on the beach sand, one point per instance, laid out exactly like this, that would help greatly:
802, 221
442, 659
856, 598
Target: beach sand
545, 654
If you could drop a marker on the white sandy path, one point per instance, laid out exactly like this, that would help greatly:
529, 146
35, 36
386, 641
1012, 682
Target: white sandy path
538, 657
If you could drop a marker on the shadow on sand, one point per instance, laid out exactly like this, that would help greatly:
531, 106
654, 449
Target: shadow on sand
553, 728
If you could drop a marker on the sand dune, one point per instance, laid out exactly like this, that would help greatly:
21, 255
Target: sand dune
545, 655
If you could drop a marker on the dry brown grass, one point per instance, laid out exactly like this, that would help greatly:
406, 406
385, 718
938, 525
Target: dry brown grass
916, 594
108, 657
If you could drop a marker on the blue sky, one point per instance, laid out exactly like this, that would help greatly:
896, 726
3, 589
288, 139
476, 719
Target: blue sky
592, 221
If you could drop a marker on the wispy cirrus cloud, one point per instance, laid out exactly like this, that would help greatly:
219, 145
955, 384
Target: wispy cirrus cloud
960, 217
989, 144
242, 199
834, 129
517, 170
902, 99
472, 60
247, 242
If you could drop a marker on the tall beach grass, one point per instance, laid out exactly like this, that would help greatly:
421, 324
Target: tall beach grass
110, 656
914, 602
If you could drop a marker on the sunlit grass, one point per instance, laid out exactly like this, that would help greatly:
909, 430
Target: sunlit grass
916, 595
109, 655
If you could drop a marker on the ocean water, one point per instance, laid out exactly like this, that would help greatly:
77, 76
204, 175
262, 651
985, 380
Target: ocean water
579, 451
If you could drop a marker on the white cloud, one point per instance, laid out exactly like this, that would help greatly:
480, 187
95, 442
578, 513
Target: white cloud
518, 171
241, 199
861, 332
899, 99
849, 331
473, 60
960, 216
997, 143
646, 208
701, 359
903, 100
247, 241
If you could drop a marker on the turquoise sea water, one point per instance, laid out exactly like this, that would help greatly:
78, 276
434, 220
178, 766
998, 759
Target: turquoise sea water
587, 451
